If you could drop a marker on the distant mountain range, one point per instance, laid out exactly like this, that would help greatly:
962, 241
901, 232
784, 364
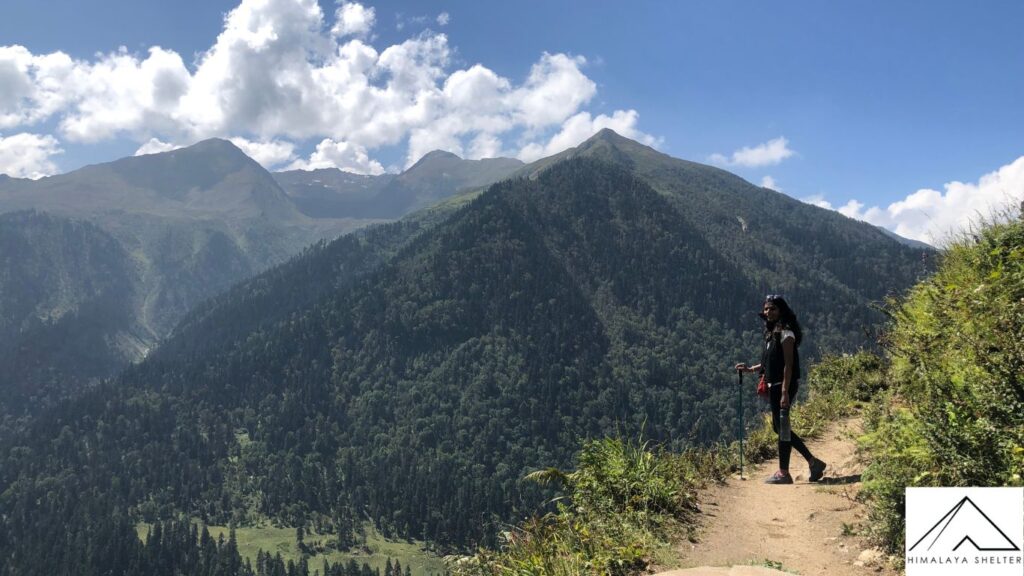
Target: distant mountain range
181, 226
332, 193
412, 374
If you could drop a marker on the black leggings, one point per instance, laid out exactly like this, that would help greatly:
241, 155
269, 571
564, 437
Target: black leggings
794, 440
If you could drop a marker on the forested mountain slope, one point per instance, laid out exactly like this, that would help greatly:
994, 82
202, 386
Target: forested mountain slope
181, 226
66, 295
414, 376
780, 244
188, 224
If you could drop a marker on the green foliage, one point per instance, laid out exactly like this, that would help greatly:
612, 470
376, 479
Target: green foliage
773, 564
955, 416
616, 508
374, 551
858, 376
626, 477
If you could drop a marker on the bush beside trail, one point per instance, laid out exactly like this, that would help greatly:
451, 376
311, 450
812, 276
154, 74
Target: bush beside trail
954, 413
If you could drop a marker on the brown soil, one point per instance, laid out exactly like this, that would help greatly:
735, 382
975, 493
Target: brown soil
808, 528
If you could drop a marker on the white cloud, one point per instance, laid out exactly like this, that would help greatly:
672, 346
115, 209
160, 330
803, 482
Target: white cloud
268, 153
555, 90
582, 126
155, 146
477, 89
122, 93
769, 182
27, 155
281, 71
485, 146
402, 21
257, 77
766, 154
32, 88
353, 19
436, 137
344, 155
932, 216
819, 201
443, 19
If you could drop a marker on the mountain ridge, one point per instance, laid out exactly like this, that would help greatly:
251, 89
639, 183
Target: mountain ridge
433, 178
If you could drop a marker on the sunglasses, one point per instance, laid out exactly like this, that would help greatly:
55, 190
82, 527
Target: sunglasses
773, 297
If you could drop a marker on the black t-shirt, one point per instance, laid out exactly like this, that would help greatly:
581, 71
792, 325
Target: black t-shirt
773, 359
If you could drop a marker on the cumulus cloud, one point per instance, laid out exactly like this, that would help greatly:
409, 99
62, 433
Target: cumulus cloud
769, 182
443, 19
353, 19
267, 153
32, 87
767, 154
934, 216
344, 155
819, 201
282, 73
155, 146
27, 155
122, 93
554, 91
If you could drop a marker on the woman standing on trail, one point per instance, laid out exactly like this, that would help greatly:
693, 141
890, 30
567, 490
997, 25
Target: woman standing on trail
780, 367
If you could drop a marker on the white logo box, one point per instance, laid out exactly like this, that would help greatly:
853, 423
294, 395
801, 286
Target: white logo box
958, 531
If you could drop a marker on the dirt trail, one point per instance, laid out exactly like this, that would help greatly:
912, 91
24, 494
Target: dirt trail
805, 528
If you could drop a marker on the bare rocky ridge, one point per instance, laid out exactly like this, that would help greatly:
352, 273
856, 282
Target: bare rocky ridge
808, 528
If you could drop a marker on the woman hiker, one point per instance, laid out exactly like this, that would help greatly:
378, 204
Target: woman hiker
780, 366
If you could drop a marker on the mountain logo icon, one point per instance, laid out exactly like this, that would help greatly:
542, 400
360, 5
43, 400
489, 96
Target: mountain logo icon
966, 523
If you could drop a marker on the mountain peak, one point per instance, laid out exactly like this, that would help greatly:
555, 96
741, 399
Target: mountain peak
213, 144
211, 149
608, 135
209, 177
436, 155
606, 145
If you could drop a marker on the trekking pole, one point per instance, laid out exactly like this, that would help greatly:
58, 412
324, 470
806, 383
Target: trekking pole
739, 396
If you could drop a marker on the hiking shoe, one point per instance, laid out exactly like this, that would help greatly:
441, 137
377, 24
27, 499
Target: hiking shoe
780, 477
817, 470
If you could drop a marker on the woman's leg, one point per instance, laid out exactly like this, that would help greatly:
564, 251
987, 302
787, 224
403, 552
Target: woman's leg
795, 441
775, 397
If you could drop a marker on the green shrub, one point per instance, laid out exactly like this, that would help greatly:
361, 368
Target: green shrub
956, 413
859, 376
624, 501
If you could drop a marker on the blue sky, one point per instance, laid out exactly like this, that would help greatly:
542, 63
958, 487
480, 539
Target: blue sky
906, 114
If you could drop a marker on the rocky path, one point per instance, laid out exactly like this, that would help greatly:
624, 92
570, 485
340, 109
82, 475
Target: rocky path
752, 528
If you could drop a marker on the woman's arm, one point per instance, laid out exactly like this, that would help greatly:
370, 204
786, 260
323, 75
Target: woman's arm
743, 366
788, 345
